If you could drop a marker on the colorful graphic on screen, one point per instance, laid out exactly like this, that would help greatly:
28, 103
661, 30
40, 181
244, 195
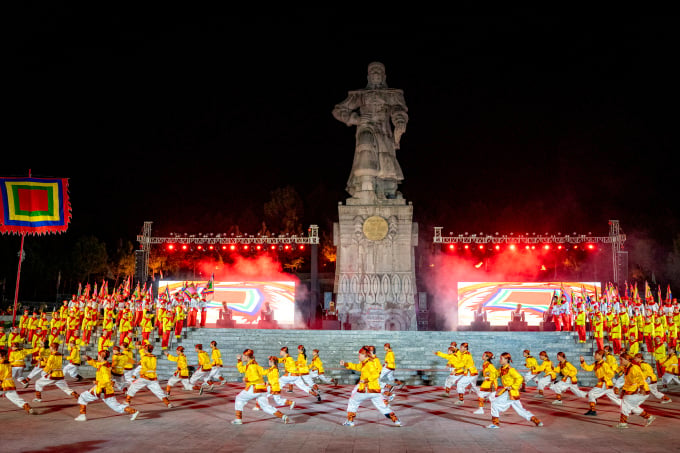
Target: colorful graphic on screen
499, 299
245, 299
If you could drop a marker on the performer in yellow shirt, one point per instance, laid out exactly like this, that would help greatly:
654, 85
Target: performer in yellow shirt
489, 384
388, 382
203, 370
530, 363
508, 394
181, 374
275, 386
317, 372
569, 380
605, 386
549, 375
292, 375
467, 365
451, 357
53, 374
71, 367
102, 389
215, 372
650, 378
148, 378
8, 388
368, 389
634, 392
255, 388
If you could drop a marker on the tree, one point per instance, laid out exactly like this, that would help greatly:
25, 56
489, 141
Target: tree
284, 211
88, 258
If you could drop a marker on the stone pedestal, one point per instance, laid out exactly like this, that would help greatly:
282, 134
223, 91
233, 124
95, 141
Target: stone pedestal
375, 282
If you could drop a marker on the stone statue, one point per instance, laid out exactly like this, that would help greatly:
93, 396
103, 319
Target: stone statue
379, 113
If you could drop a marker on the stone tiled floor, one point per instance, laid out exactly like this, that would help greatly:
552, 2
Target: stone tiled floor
432, 423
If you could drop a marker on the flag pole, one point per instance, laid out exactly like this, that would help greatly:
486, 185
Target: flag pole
16, 290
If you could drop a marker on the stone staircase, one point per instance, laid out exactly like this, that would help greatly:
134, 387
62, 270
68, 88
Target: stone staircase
414, 350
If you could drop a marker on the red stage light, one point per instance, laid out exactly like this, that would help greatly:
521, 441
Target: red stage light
199, 247
258, 247
273, 247
452, 247
498, 247
466, 247
286, 247
591, 247
224, 247
171, 246
526, 246
481, 246
575, 247
301, 246
559, 247
246, 247
513, 247
232, 247
546, 247
184, 247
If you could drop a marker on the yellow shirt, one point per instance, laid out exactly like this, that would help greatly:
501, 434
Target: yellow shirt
253, 375
216, 357
390, 361
530, 362
103, 382
6, 375
148, 367
182, 365
368, 381
568, 371
317, 365
289, 366
490, 374
511, 381
204, 361
301, 363
634, 380
273, 379
18, 358
118, 362
546, 367
603, 372
53, 366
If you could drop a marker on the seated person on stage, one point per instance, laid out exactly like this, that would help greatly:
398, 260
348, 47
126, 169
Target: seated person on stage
267, 312
517, 314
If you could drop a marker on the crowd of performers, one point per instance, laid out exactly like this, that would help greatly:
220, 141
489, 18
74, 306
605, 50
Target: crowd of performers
124, 366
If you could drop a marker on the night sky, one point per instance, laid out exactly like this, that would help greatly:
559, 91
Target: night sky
517, 124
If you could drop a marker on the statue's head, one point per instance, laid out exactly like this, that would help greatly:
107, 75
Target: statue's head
376, 75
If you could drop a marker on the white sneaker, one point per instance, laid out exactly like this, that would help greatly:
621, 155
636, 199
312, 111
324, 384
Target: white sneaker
256, 408
621, 425
666, 401
25, 384
650, 420
557, 402
170, 406
479, 411
459, 403
348, 423
285, 419
493, 426
397, 423
237, 421
37, 400
81, 418
292, 405
134, 416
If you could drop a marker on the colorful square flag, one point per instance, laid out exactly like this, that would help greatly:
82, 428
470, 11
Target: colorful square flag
34, 205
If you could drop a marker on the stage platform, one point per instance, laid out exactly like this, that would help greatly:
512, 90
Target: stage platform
431, 424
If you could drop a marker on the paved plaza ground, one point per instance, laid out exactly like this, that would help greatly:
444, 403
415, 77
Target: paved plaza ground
432, 423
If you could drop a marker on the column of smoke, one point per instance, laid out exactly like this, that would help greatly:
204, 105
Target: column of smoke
448, 270
260, 268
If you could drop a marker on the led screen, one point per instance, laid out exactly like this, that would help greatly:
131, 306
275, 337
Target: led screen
245, 299
500, 299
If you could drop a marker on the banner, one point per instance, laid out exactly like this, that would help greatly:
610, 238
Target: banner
34, 205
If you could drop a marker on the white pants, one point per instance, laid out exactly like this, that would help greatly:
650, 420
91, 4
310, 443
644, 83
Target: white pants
654, 389
140, 383
597, 392
199, 374
386, 377
314, 374
215, 373
619, 381
279, 400
71, 370
669, 378
631, 404
35, 372
43, 382
376, 398
297, 380
544, 382
14, 397
89, 396
262, 400
563, 386
17, 372
529, 376
307, 379
451, 381
464, 381
500, 404
175, 379
129, 375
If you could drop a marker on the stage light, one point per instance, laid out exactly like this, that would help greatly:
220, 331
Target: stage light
591, 247
546, 247
286, 247
232, 247
466, 247
480, 264
272, 247
575, 247
258, 247
171, 246
497, 247
301, 246
513, 247
184, 247
246, 247
533, 247
224, 247
199, 247
481, 246
211, 247
559, 247
452, 247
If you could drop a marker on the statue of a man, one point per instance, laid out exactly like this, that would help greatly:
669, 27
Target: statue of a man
380, 115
